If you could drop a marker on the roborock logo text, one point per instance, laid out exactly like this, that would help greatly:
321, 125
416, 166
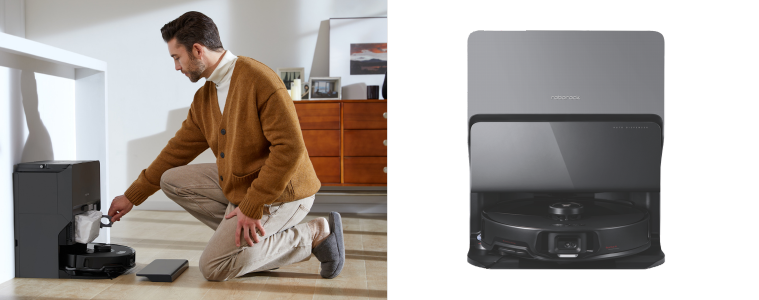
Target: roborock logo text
565, 97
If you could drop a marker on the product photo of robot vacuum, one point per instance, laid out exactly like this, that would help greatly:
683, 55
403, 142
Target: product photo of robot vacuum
566, 131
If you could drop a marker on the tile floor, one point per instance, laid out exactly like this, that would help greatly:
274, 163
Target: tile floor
162, 234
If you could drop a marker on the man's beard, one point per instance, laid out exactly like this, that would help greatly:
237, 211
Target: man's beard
196, 68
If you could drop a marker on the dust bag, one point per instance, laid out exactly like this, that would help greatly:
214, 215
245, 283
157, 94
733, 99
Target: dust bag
87, 226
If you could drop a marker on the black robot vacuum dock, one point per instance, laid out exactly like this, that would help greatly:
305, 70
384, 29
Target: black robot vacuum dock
48, 197
565, 149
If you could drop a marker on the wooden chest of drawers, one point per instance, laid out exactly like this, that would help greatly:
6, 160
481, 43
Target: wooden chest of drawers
346, 140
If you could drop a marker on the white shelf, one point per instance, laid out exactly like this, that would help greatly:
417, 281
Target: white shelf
21, 46
91, 102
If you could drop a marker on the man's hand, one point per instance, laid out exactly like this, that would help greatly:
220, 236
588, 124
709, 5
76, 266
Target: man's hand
120, 206
248, 227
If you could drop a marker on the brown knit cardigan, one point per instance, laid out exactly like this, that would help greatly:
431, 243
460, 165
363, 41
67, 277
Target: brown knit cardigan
257, 142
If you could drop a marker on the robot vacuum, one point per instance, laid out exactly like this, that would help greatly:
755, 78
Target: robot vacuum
101, 261
565, 229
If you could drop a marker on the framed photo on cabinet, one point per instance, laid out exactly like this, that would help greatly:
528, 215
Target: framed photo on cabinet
288, 74
325, 88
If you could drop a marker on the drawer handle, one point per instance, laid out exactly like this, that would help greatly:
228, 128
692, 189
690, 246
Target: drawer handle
384, 115
384, 142
384, 170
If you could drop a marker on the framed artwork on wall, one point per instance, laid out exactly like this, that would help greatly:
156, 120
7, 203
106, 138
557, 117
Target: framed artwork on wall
368, 58
358, 52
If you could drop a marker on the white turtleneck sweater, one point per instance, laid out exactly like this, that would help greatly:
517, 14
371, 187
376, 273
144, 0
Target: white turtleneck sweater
221, 77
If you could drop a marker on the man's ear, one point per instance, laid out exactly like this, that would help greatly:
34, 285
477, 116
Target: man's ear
198, 50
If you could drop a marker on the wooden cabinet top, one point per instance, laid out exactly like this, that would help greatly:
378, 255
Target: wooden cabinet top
338, 101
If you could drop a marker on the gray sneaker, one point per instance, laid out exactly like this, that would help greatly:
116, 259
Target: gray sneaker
331, 252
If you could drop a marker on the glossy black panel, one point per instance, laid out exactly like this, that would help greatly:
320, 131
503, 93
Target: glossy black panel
565, 156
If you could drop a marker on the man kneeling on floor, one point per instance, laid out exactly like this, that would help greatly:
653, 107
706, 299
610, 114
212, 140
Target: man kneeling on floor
262, 184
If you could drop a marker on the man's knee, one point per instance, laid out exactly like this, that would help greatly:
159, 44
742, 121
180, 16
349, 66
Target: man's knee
209, 269
169, 178
217, 268
212, 275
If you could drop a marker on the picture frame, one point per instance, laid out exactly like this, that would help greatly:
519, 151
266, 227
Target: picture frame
288, 74
325, 88
358, 53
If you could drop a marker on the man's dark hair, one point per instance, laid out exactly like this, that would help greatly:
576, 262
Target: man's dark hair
193, 27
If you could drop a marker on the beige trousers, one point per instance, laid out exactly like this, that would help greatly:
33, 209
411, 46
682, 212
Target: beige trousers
196, 189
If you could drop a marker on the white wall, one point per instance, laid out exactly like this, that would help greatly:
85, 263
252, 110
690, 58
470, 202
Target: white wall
12, 14
148, 100
11, 112
37, 117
